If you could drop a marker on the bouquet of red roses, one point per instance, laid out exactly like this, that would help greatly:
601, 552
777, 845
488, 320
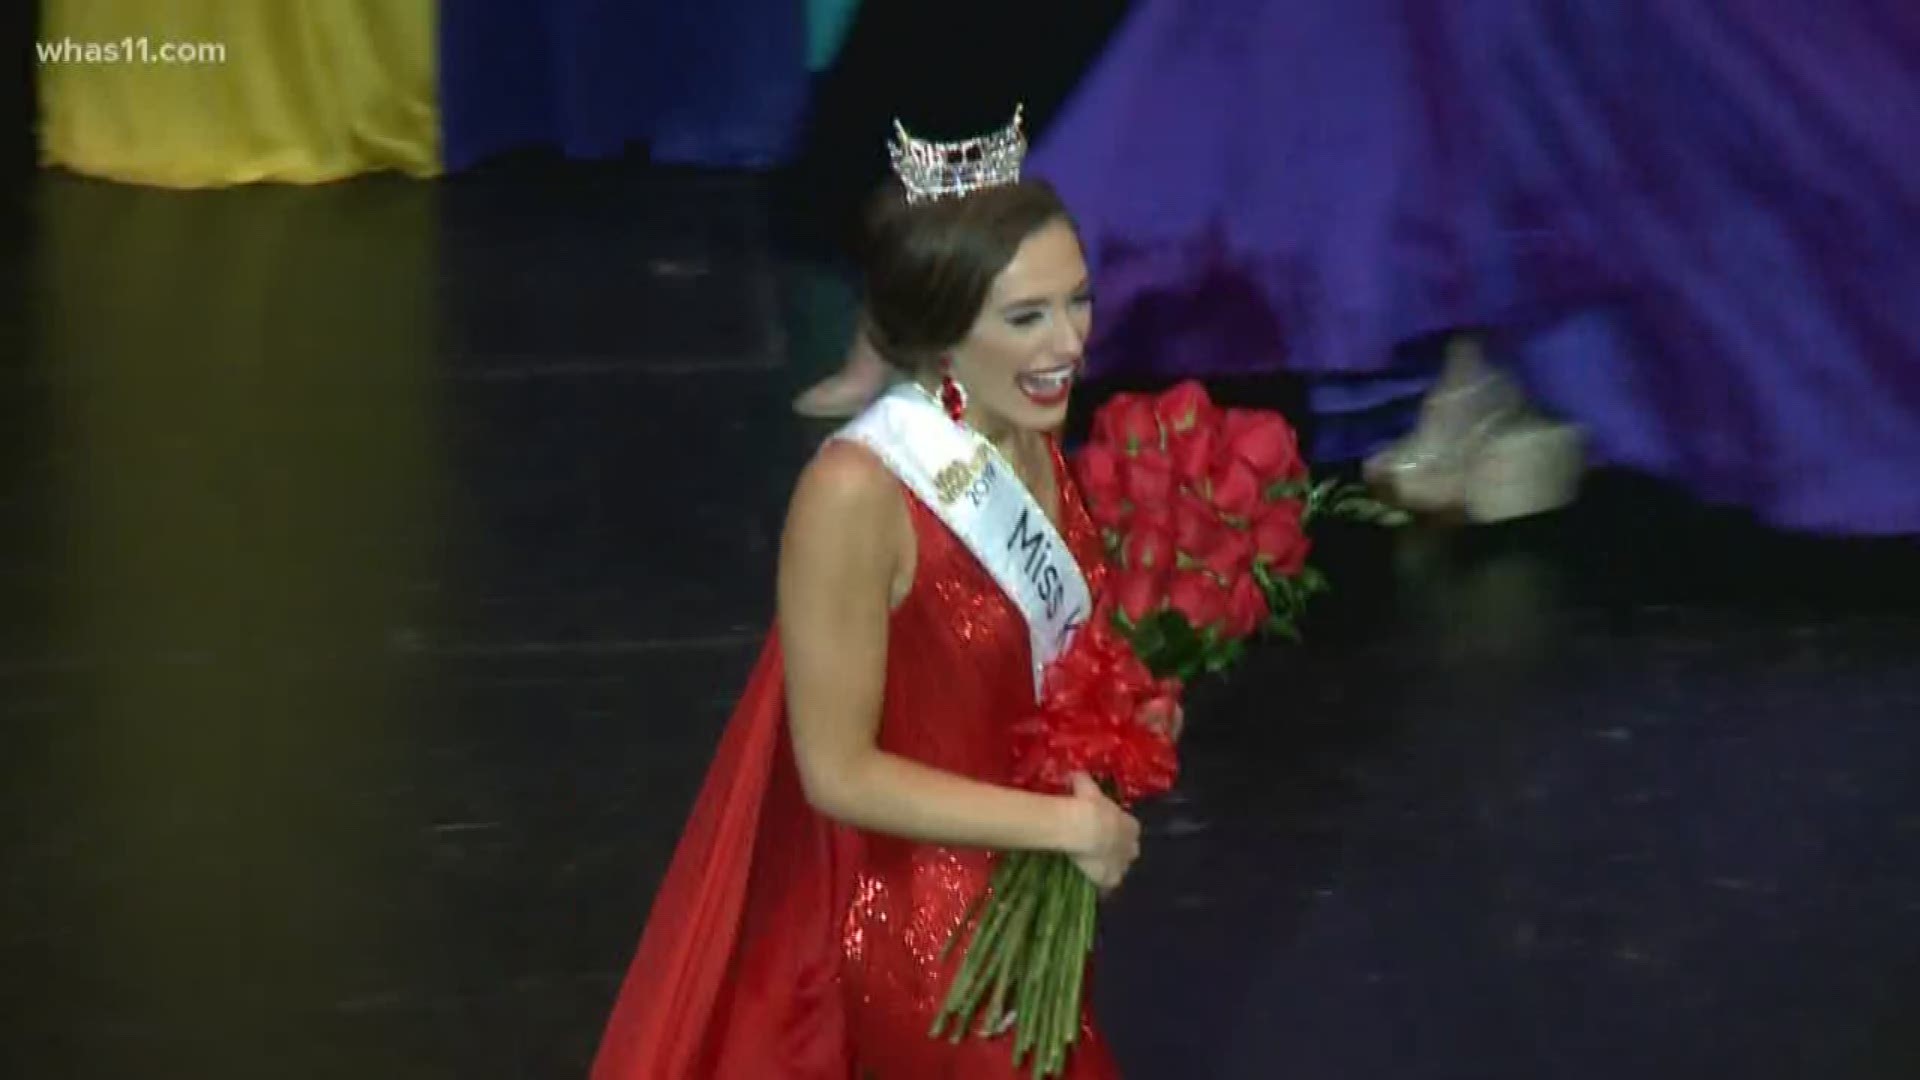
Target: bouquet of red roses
1204, 513
1033, 930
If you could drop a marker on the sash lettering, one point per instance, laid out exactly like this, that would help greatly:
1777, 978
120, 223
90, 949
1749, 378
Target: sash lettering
961, 478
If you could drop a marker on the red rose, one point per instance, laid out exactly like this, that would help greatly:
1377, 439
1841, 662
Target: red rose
1098, 467
1184, 408
1199, 598
1107, 512
1127, 423
1194, 524
1157, 516
1233, 488
1106, 420
1140, 593
1148, 480
1156, 454
1279, 540
1148, 549
1266, 442
1246, 608
1193, 453
1230, 555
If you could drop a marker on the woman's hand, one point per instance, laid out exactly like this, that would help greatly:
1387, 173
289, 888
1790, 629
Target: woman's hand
1109, 837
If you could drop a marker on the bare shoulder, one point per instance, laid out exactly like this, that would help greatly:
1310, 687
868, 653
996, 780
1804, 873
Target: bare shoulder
847, 529
846, 503
846, 481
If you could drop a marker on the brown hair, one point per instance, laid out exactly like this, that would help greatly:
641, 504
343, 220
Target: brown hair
929, 266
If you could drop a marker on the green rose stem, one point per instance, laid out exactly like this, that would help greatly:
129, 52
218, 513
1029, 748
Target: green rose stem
1072, 971
983, 946
973, 967
1059, 978
1030, 949
999, 955
1033, 930
1034, 1006
1058, 1002
1005, 952
1073, 960
1047, 1002
1008, 960
967, 917
1037, 1022
1019, 934
1030, 1008
1083, 950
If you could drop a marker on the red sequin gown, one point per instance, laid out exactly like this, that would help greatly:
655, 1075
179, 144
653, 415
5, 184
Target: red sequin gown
783, 946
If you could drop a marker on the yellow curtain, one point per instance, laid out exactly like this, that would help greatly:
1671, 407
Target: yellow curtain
248, 489
203, 93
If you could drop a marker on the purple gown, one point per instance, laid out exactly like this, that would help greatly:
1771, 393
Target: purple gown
1692, 226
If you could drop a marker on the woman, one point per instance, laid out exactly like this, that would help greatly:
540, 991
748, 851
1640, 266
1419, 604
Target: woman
862, 784
1039, 53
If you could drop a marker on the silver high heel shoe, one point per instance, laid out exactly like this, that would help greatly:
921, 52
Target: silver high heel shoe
1478, 449
1427, 471
1530, 466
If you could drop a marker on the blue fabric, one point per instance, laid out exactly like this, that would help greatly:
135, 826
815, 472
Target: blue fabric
1691, 225
1736, 211
718, 83
828, 22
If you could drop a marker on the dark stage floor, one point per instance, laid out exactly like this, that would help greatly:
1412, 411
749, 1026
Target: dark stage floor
379, 562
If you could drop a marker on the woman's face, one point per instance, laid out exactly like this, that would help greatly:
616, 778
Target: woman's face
1019, 362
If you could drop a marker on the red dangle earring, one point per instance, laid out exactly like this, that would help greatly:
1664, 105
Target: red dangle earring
952, 394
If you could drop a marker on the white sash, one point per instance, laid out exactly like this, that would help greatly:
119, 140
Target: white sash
965, 481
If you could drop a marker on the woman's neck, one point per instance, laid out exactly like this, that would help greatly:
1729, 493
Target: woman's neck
1015, 443
1001, 434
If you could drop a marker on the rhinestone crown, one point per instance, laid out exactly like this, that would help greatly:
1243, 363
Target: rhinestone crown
940, 170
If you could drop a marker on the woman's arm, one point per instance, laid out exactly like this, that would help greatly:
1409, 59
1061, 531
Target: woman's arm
848, 539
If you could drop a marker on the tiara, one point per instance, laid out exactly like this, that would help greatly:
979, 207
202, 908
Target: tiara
937, 170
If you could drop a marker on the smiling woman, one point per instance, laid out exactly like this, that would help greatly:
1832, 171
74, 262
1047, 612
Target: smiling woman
989, 292
936, 558
1039, 52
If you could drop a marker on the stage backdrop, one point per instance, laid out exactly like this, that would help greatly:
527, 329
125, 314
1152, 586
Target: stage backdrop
201, 93
701, 82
